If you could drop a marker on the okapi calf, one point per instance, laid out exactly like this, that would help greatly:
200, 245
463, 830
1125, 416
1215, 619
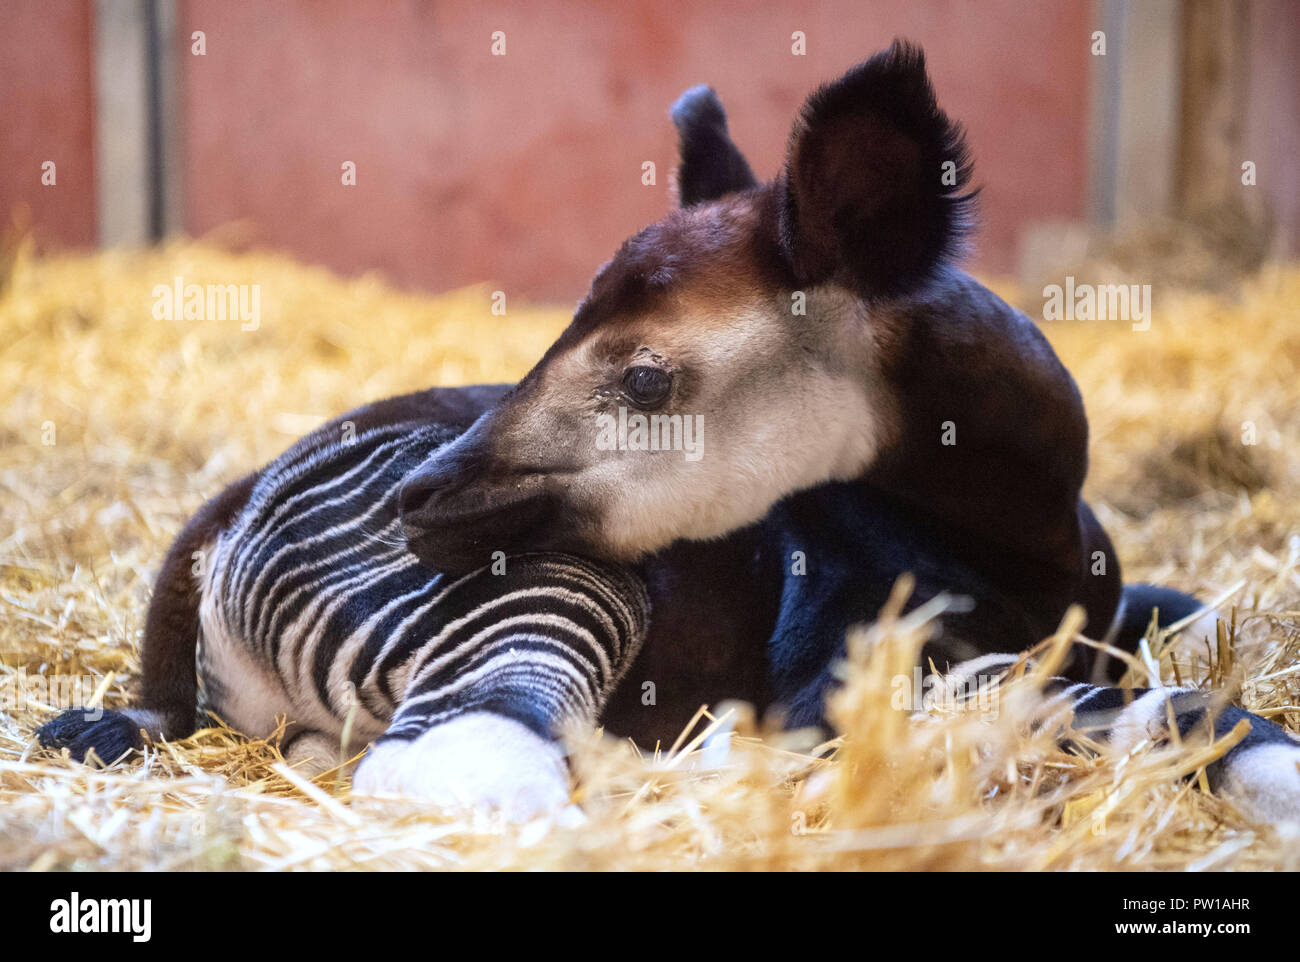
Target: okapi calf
868, 410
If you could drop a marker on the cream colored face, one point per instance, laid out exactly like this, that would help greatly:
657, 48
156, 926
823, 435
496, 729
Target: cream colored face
759, 404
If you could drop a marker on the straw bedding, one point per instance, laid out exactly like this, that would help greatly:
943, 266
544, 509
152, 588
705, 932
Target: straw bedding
116, 426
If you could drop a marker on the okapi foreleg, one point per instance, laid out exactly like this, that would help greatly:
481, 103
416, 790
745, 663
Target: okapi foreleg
527, 650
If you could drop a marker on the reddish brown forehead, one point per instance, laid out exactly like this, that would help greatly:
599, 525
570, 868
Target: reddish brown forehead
712, 255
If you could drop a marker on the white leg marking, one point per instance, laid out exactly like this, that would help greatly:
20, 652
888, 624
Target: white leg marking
1264, 782
1147, 717
969, 670
1206, 626
476, 760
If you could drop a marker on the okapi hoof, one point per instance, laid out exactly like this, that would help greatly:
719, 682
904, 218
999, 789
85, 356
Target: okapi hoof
110, 734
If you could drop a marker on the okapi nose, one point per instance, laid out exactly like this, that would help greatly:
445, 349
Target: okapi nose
422, 489
451, 469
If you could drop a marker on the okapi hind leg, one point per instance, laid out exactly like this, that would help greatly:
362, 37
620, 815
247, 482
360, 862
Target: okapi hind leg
523, 655
1260, 774
169, 695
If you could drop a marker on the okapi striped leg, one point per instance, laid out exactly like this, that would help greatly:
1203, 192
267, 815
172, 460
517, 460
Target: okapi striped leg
485, 702
1260, 774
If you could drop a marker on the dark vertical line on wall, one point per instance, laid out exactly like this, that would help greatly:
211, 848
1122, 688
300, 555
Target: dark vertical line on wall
121, 122
1136, 112
157, 168
172, 61
1106, 79
1114, 79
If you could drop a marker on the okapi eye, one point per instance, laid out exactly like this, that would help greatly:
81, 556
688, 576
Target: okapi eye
646, 387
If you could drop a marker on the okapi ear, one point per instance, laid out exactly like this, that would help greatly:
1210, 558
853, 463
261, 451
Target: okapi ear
872, 186
710, 166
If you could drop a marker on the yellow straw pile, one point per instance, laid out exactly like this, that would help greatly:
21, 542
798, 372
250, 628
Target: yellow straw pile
116, 426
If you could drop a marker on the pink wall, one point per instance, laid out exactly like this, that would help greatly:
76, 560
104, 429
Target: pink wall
1272, 134
524, 170
46, 113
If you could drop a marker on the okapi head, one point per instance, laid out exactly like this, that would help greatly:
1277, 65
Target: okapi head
737, 332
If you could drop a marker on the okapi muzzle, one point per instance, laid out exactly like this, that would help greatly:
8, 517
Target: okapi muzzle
473, 499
